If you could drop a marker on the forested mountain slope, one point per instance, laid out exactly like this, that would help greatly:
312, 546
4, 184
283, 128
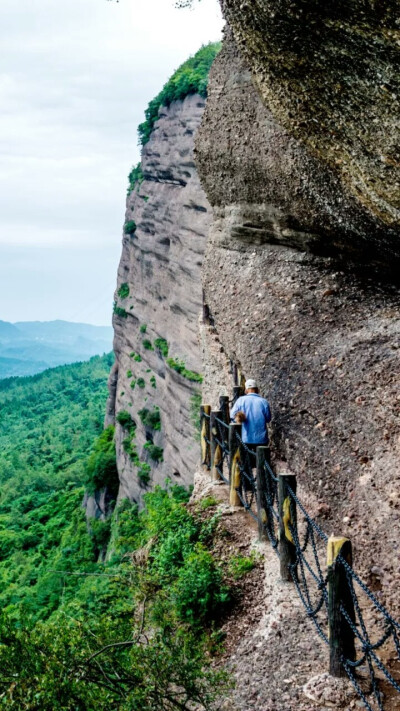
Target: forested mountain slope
66, 612
48, 424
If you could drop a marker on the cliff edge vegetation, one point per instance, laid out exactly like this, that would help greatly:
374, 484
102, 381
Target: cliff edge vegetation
190, 78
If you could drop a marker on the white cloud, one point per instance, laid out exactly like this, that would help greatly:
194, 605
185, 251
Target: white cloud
76, 76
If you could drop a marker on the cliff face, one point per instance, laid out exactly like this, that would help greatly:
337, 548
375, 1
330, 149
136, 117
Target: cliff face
322, 341
158, 300
272, 187
328, 73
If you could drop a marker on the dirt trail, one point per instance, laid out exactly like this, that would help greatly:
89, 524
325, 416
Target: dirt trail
277, 659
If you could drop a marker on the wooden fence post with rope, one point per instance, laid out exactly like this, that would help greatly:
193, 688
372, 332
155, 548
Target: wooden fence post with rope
287, 521
234, 463
205, 412
341, 636
216, 449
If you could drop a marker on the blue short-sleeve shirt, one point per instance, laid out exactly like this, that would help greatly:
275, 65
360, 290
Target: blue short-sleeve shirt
258, 413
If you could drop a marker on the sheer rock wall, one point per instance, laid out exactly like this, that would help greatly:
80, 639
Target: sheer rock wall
161, 264
321, 337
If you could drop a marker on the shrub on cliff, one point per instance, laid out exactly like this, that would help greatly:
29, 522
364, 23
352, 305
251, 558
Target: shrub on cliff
101, 468
179, 366
119, 311
125, 420
123, 291
135, 177
162, 345
130, 227
155, 453
190, 78
195, 402
143, 473
150, 419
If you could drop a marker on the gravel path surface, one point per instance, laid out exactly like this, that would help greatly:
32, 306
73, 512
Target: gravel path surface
277, 659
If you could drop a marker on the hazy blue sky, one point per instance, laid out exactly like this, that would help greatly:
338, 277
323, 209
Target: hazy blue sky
75, 78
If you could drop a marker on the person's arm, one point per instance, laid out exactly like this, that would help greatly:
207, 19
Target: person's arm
267, 412
238, 407
234, 410
237, 414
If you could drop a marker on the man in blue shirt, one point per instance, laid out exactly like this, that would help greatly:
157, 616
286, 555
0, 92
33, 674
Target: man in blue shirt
254, 413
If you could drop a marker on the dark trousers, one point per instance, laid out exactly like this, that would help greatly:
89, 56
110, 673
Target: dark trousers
249, 462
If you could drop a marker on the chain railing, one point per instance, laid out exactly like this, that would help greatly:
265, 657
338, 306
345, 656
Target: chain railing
384, 632
347, 616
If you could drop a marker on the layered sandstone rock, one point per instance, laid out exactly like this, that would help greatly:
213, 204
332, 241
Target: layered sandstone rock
159, 297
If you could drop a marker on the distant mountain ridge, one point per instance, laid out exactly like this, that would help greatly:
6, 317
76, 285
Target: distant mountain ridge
29, 347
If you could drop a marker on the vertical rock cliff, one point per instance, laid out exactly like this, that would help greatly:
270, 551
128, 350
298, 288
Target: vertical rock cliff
155, 382
291, 306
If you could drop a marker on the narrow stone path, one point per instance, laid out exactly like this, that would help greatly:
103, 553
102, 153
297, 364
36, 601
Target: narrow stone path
276, 658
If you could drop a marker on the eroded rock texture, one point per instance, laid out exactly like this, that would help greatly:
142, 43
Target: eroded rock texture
329, 73
322, 341
160, 267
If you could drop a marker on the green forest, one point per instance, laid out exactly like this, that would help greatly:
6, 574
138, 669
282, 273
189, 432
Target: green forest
134, 629
48, 423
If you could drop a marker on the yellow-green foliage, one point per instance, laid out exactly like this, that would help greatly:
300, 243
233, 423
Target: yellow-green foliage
60, 605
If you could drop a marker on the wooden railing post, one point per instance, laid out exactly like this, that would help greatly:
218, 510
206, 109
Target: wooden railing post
237, 392
262, 454
287, 520
224, 407
216, 451
234, 460
341, 636
205, 436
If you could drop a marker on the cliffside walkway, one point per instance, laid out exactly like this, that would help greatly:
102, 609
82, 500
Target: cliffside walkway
362, 637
